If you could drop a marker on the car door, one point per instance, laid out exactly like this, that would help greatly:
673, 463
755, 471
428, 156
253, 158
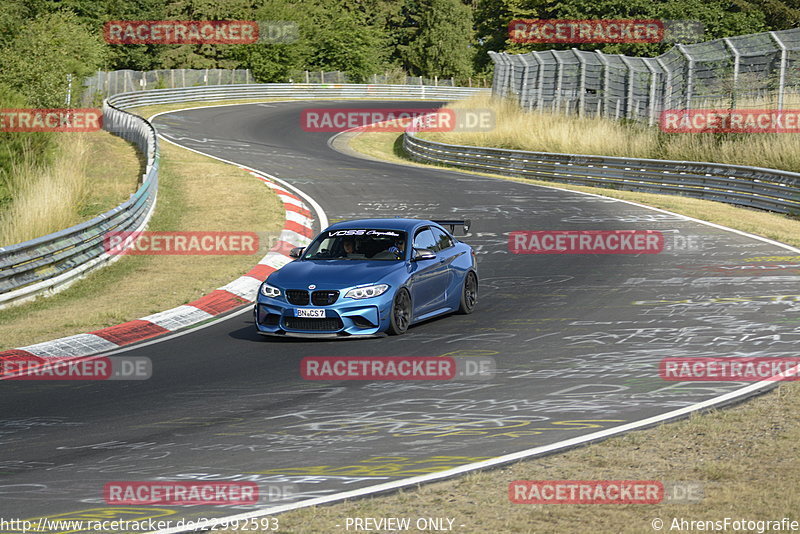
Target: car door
428, 277
446, 252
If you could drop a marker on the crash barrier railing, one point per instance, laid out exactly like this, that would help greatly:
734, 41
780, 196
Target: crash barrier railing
300, 91
753, 187
108, 83
51, 262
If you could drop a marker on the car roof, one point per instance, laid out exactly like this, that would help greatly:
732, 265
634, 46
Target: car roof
405, 225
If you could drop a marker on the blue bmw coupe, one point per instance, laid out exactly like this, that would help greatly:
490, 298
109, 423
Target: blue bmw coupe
370, 277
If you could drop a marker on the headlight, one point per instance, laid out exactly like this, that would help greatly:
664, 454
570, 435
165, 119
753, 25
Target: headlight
269, 291
367, 292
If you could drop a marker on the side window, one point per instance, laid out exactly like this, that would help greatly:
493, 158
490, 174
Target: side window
443, 240
425, 239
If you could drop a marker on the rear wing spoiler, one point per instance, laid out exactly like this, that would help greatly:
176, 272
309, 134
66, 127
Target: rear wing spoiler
451, 225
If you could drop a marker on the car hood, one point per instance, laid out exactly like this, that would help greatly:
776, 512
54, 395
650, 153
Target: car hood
332, 274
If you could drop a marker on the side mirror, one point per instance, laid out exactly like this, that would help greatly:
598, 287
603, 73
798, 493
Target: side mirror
296, 252
423, 254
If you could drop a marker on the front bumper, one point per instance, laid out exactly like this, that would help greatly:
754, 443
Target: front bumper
346, 318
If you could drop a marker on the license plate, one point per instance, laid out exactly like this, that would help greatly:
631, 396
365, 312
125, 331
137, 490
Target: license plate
309, 312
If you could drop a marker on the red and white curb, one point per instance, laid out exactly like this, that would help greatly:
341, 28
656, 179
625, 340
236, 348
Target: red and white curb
297, 232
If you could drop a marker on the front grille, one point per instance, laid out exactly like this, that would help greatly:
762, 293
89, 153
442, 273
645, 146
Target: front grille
297, 296
328, 324
324, 298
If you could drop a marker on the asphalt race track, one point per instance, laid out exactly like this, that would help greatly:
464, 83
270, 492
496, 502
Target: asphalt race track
576, 339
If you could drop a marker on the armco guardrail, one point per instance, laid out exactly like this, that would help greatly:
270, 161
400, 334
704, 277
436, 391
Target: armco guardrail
301, 91
754, 187
48, 263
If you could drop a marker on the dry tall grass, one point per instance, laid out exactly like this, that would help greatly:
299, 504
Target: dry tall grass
47, 198
554, 132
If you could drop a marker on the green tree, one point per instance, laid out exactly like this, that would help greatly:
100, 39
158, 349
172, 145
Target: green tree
347, 43
274, 62
442, 44
39, 59
203, 56
134, 57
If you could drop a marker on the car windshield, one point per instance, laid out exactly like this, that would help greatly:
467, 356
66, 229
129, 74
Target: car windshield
358, 244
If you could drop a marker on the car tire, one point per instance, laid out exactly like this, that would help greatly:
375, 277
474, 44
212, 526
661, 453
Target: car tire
400, 317
469, 294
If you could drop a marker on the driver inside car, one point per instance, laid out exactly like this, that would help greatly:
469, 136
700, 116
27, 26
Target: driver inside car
398, 248
349, 247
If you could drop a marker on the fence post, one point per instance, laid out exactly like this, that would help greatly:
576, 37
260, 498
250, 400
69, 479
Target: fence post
559, 80
606, 81
736, 62
629, 111
652, 120
784, 61
689, 76
582, 83
523, 90
667, 100
530, 76
539, 82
